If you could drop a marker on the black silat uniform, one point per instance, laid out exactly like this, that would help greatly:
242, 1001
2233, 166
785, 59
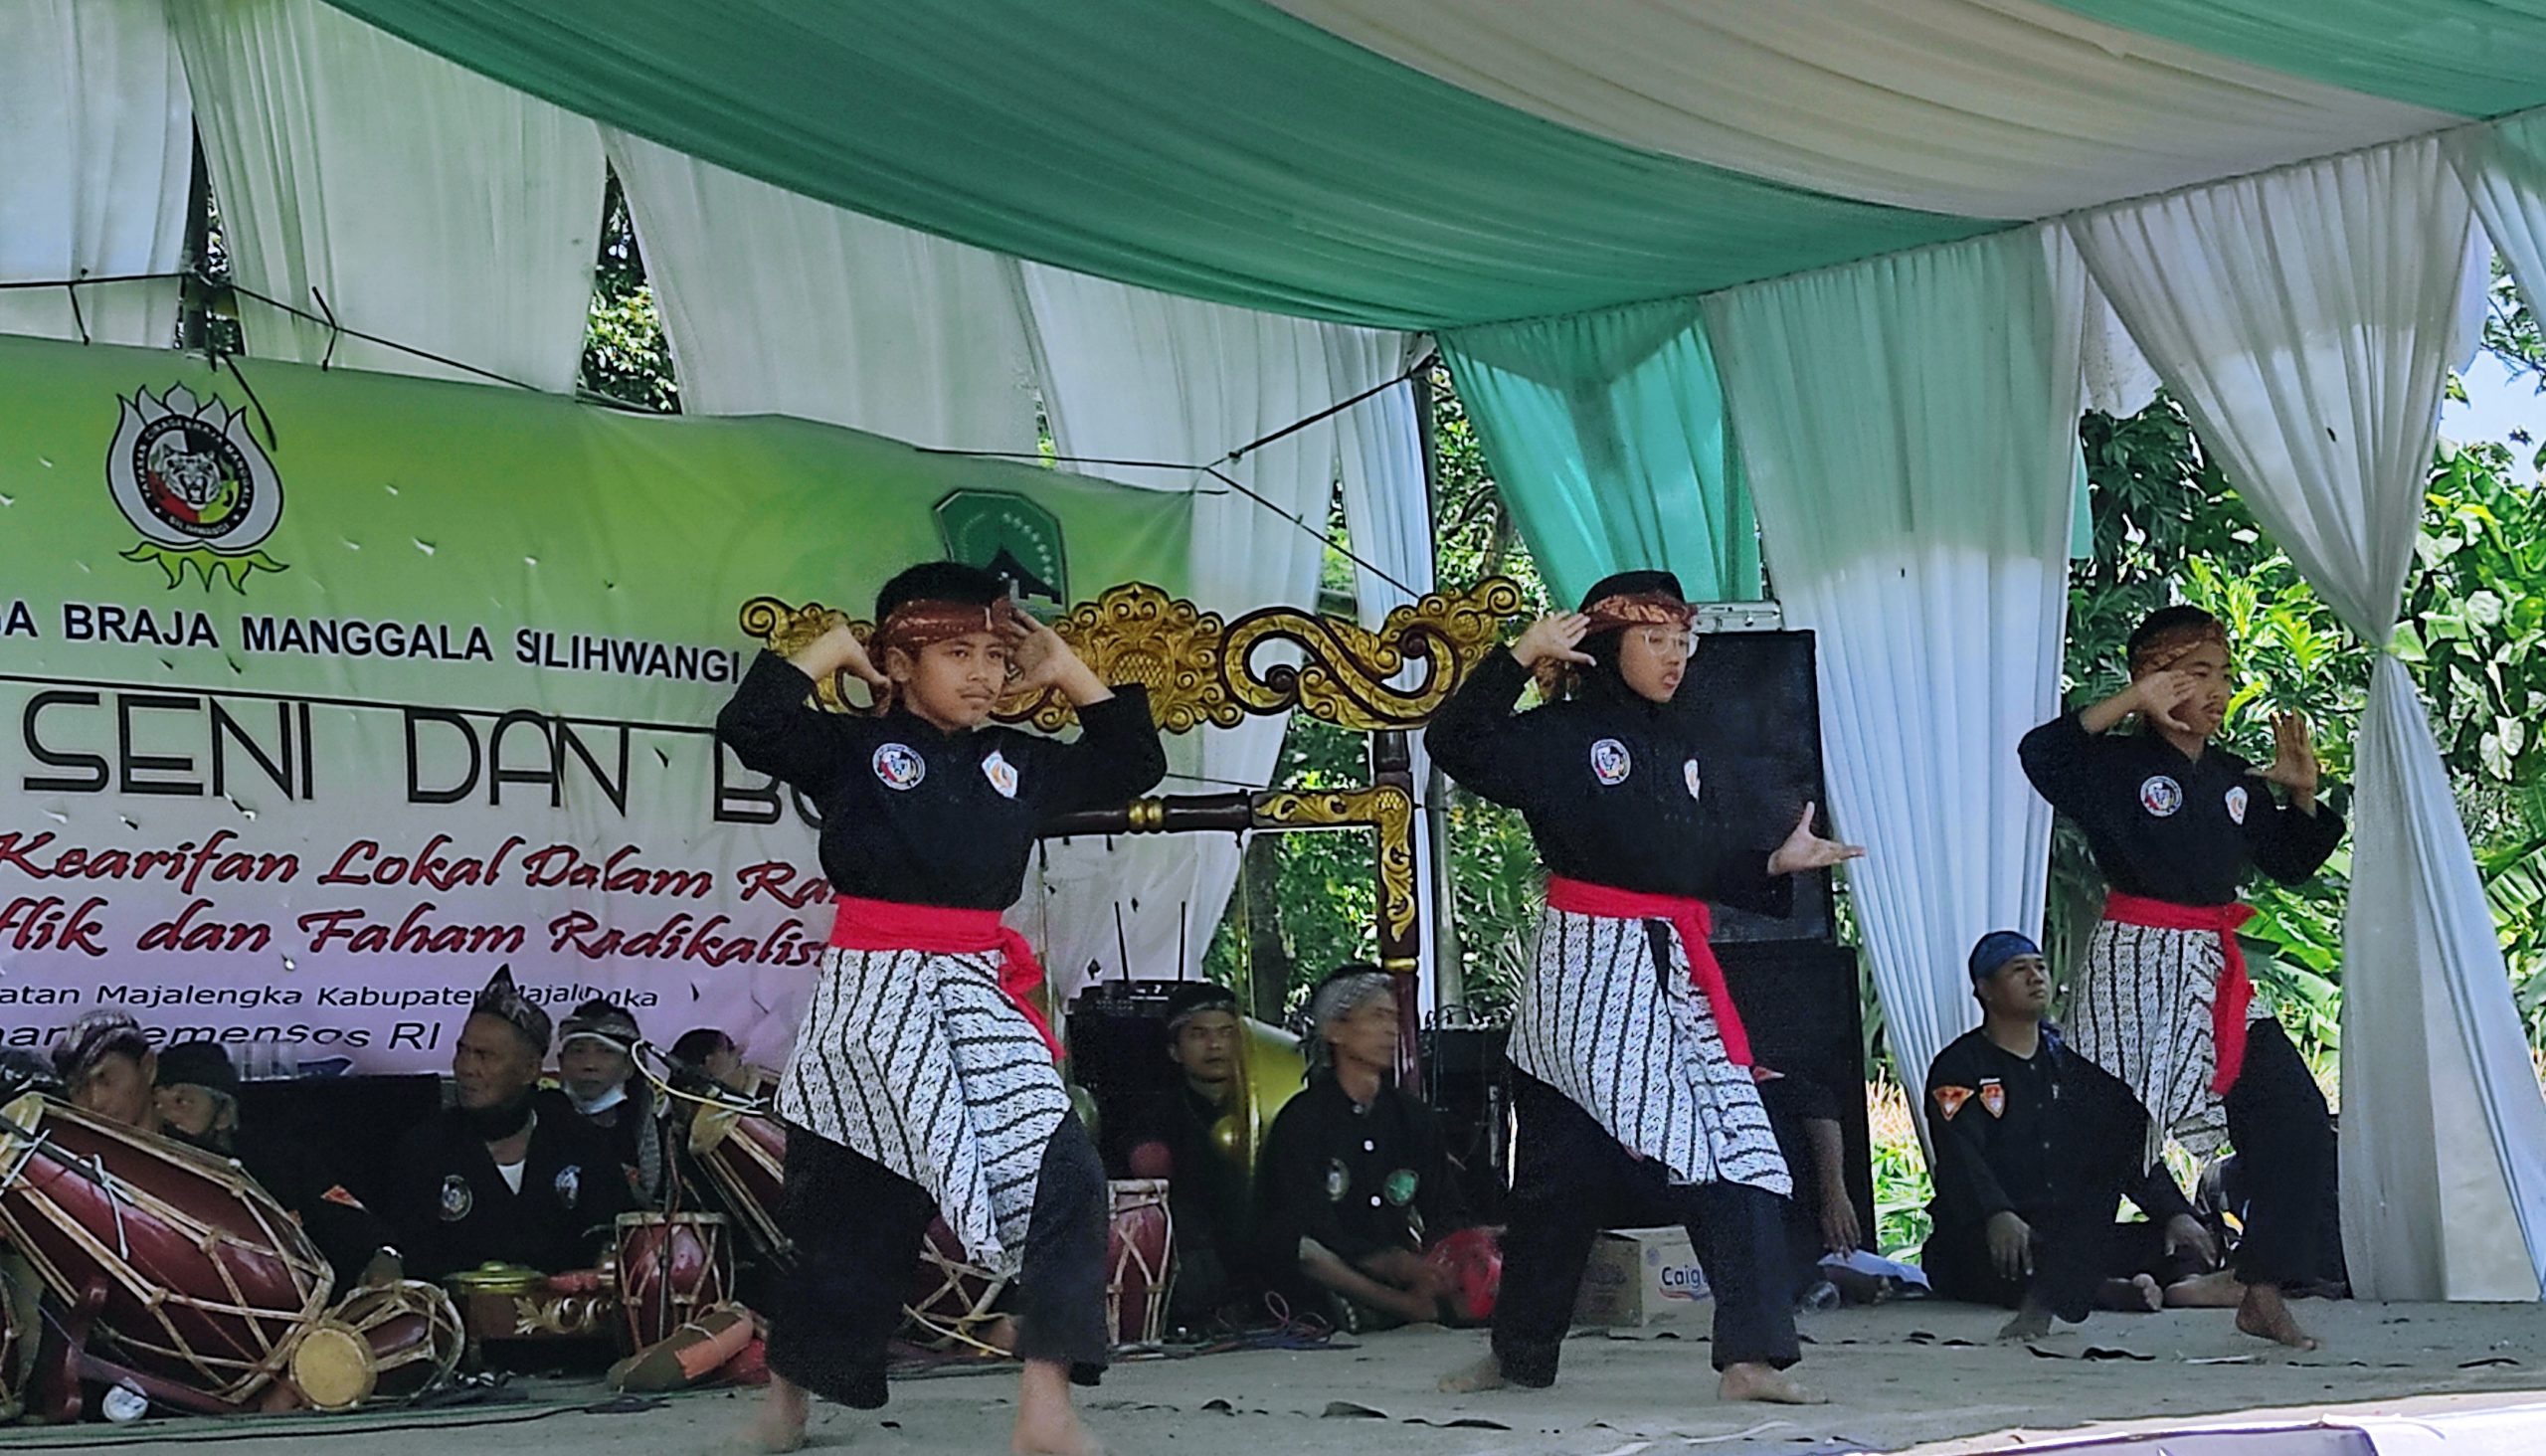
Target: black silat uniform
2051, 1139
2187, 831
1218, 1266
914, 1072
1358, 1180
453, 1210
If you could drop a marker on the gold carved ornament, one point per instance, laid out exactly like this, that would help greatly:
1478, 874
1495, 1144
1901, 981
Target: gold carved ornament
1385, 809
1202, 670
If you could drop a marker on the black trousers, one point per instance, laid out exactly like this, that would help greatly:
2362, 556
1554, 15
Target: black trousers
1569, 1177
2284, 1140
2073, 1255
857, 1228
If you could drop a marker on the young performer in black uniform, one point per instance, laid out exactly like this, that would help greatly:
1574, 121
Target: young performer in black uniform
2162, 1001
1629, 1063
2034, 1146
922, 1080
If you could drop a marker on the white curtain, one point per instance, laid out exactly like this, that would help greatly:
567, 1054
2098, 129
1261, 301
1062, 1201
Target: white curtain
1388, 518
1909, 427
2503, 167
1129, 374
2306, 318
430, 205
779, 304
100, 153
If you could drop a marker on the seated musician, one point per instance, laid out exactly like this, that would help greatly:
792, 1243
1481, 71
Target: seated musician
107, 1067
705, 1057
1356, 1177
1819, 1218
2035, 1147
596, 1070
198, 1100
506, 1175
1214, 1212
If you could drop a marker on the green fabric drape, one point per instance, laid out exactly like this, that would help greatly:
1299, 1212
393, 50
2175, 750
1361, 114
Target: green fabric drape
2477, 58
1606, 433
1215, 148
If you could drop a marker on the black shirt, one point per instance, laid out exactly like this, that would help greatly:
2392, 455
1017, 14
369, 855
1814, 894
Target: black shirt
1206, 1192
1617, 789
917, 815
1358, 1179
453, 1210
2033, 1135
347, 1234
2168, 827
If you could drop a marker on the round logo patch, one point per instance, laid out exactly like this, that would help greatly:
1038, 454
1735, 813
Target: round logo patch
897, 765
1337, 1181
457, 1198
1609, 761
2162, 797
569, 1185
2237, 804
1689, 771
1400, 1186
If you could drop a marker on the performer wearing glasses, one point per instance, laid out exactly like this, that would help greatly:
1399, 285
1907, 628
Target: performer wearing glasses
1631, 1070
922, 1080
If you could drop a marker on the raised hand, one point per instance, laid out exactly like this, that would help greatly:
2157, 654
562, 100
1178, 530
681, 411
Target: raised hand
2293, 761
1805, 850
2159, 695
1038, 658
1556, 637
837, 651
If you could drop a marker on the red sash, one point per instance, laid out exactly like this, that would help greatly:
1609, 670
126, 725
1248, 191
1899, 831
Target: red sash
2227, 1002
887, 925
1693, 922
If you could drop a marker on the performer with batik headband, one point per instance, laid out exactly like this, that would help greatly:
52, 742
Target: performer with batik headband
922, 1081
2163, 1000
1631, 1072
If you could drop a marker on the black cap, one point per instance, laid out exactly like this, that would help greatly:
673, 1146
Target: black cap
198, 1064
1631, 583
1190, 997
940, 581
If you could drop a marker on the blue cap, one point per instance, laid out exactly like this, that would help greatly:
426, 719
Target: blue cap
1996, 949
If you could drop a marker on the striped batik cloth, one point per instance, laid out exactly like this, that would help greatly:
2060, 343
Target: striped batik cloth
1635, 1045
2141, 1010
920, 1063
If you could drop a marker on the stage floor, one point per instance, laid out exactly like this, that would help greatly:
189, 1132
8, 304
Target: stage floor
1918, 1377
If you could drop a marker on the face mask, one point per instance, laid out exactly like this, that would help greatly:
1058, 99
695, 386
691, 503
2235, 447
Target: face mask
604, 1103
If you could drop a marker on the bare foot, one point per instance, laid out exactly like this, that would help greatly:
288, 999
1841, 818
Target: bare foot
1484, 1374
2216, 1290
1752, 1380
2136, 1295
1046, 1424
2267, 1314
2032, 1321
779, 1426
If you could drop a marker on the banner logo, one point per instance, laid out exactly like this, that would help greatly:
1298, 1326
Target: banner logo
1004, 532
196, 484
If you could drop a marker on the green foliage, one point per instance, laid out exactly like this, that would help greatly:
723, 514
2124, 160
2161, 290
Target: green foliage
628, 359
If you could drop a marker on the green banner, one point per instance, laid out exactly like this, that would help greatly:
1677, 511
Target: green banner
322, 693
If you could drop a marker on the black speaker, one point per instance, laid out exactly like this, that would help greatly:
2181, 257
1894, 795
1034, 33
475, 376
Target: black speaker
1752, 694
1799, 1000
1462, 1069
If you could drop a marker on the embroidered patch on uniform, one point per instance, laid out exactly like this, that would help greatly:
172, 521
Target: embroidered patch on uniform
899, 767
1950, 1099
1400, 1186
1993, 1097
1000, 772
2162, 797
2237, 804
1337, 1181
1689, 771
570, 1184
338, 1194
1609, 761
457, 1198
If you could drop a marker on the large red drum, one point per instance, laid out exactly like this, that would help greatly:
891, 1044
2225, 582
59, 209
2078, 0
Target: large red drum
1140, 1259
669, 1268
744, 1159
952, 1300
206, 1281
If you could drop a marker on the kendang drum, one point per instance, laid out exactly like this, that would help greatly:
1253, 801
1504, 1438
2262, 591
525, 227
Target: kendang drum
206, 1281
744, 1158
669, 1268
1470, 1263
21, 1334
1140, 1253
381, 1346
952, 1299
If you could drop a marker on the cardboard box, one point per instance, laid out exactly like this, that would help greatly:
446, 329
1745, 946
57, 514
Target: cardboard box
1640, 1276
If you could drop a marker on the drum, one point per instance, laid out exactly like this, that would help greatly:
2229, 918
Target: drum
744, 1158
1470, 1263
207, 1282
952, 1298
1140, 1259
669, 1268
380, 1346
21, 1334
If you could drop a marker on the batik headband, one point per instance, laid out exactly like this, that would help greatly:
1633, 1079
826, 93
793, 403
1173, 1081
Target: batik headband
93, 1037
2165, 649
504, 1001
1629, 609
602, 1022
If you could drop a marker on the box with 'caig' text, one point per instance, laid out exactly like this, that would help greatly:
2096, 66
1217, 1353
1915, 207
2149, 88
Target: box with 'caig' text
1638, 1276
